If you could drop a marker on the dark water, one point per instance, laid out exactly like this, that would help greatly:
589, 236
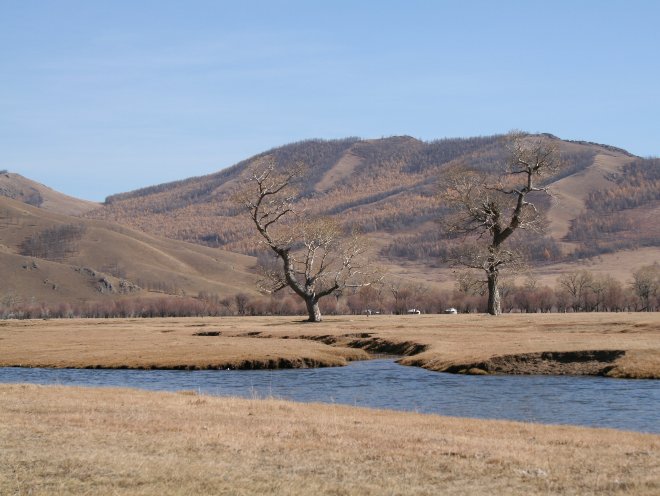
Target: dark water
590, 401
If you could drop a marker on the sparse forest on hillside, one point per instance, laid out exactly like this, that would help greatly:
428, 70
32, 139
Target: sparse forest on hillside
388, 189
624, 215
27, 195
390, 186
55, 243
387, 185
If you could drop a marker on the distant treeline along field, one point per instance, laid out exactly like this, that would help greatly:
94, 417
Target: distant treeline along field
578, 291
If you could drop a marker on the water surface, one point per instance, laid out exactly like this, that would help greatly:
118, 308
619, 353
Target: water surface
589, 401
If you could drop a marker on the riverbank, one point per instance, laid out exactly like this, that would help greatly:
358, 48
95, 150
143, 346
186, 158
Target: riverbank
188, 344
61, 440
613, 345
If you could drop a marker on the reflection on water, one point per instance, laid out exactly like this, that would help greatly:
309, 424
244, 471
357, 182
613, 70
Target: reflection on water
590, 401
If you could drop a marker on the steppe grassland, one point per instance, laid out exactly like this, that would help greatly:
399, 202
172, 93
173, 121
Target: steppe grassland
158, 343
271, 342
60, 440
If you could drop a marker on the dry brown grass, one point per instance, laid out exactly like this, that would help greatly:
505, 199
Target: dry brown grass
620, 265
180, 268
448, 341
571, 192
60, 440
158, 344
52, 200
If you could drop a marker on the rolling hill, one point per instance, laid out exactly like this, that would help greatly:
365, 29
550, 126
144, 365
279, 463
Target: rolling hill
48, 257
33, 193
388, 188
190, 237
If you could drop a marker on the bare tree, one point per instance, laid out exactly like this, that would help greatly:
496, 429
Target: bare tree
406, 296
614, 299
646, 285
577, 285
315, 257
489, 208
242, 301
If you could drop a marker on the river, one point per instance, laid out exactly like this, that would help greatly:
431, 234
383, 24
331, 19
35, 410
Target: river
587, 401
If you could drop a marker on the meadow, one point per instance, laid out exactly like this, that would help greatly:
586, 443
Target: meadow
63, 440
69, 440
611, 344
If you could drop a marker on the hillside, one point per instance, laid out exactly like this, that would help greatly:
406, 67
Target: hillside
388, 188
602, 217
46, 257
33, 193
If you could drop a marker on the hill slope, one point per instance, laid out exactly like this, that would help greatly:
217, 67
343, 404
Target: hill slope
605, 203
388, 187
33, 193
54, 258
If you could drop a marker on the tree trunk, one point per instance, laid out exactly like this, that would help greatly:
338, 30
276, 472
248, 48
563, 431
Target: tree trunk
313, 310
494, 301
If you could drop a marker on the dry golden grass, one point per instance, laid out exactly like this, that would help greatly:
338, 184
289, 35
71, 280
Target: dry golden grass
181, 268
620, 265
571, 192
52, 200
158, 344
59, 440
453, 340
436, 342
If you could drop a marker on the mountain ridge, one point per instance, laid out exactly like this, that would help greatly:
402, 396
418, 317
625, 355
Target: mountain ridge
345, 175
387, 187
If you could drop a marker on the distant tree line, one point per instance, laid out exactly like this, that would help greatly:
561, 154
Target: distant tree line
320, 153
577, 291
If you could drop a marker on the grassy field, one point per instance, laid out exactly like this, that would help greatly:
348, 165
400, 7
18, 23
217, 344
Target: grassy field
60, 440
617, 345
157, 344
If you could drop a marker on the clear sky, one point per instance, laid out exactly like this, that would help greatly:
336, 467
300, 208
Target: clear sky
101, 97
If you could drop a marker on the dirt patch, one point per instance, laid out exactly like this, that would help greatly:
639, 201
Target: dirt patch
282, 363
379, 345
367, 342
208, 333
589, 362
264, 364
325, 339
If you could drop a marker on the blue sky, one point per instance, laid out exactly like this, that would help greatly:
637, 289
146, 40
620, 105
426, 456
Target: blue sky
101, 97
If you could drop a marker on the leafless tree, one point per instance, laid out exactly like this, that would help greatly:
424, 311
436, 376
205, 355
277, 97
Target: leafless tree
577, 285
56, 243
614, 299
646, 285
315, 257
467, 283
489, 207
406, 295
